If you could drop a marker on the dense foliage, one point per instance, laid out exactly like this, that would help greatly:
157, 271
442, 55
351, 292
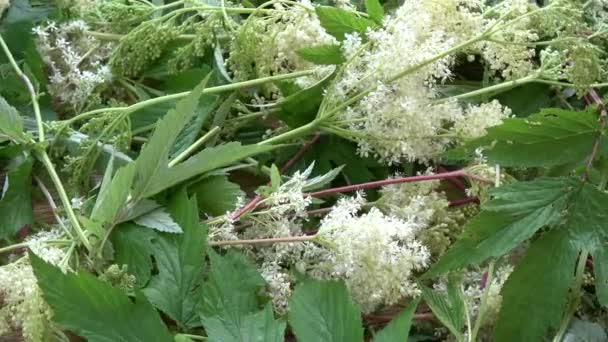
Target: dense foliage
424, 170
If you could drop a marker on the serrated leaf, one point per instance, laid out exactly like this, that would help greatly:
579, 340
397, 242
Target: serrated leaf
207, 160
154, 157
551, 137
254, 327
448, 307
216, 195
95, 310
514, 214
113, 193
159, 219
324, 311
300, 107
322, 180
133, 247
375, 10
338, 22
323, 54
11, 125
536, 293
15, 198
398, 329
179, 259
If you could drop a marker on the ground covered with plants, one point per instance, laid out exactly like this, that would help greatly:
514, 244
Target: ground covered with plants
214, 170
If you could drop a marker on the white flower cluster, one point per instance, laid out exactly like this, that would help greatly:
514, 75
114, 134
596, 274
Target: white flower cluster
22, 306
375, 254
400, 120
76, 61
474, 285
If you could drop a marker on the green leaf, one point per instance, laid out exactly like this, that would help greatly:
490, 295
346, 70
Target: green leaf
154, 157
216, 195
338, 22
159, 219
113, 193
207, 160
323, 54
16, 202
11, 125
96, 311
375, 10
448, 307
133, 247
231, 289
179, 258
398, 329
259, 326
536, 293
584, 331
324, 311
514, 214
301, 107
551, 137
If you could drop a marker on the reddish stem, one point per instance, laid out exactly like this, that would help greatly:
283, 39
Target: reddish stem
377, 184
257, 199
463, 201
455, 181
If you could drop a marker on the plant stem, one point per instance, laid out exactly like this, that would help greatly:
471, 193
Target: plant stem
594, 98
187, 152
575, 296
384, 182
497, 87
13, 247
195, 337
44, 158
483, 307
293, 134
286, 239
177, 96
51, 201
28, 85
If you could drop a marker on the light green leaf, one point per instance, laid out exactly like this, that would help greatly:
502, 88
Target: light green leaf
324, 311
207, 160
159, 219
375, 10
536, 293
154, 157
551, 137
96, 311
133, 247
514, 214
398, 329
11, 125
322, 54
254, 327
216, 195
584, 331
16, 202
338, 22
448, 307
113, 193
179, 258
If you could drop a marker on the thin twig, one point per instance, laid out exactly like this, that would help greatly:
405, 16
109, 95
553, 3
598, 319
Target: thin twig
463, 201
286, 239
593, 97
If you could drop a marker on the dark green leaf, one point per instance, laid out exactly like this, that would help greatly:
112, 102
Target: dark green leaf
133, 247
516, 212
16, 202
324, 311
179, 258
322, 54
448, 307
96, 311
254, 327
159, 219
535, 295
216, 195
375, 10
398, 329
551, 137
11, 126
300, 108
338, 22
113, 193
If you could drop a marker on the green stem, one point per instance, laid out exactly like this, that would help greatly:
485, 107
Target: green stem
483, 307
177, 96
13, 247
495, 88
575, 296
29, 86
44, 158
187, 152
293, 134
195, 337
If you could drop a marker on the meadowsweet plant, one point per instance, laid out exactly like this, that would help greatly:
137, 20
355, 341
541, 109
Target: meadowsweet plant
186, 170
